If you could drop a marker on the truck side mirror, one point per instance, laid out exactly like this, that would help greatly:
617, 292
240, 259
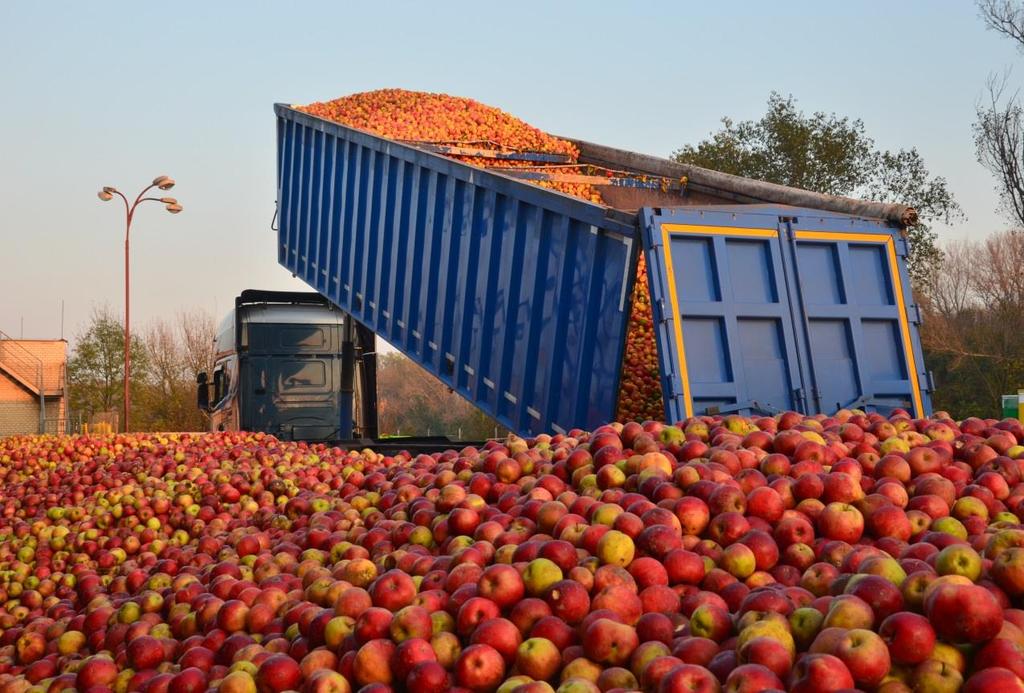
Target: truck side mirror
202, 392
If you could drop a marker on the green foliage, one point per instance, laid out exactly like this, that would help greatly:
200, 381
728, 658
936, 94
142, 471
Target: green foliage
829, 154
165, 360
96, 367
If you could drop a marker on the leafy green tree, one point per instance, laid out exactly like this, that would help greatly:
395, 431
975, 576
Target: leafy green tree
830, 154
96, 367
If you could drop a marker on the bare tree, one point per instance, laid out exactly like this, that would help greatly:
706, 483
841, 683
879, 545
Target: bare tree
166, 355
973, 311
198, 330
1005, 17
948, 290
1001, 286
178, 351
999, 128
413, 402
164, 404
999, 142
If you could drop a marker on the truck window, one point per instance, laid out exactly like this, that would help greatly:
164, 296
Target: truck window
303, 337
221, 384
302, 375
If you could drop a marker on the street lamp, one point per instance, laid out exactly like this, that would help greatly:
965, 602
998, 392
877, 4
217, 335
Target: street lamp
106, 194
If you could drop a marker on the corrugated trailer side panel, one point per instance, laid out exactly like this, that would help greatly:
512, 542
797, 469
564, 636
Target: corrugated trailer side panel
513, 295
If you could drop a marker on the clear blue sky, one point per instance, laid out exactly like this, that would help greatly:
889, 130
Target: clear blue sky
116, 93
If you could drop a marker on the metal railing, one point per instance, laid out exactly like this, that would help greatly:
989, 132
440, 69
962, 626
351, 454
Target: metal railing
25, 367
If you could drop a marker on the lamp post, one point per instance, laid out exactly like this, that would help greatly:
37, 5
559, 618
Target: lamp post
172, 206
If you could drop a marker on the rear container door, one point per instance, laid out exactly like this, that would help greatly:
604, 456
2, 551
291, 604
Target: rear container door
861, 344
723, 306
780, 308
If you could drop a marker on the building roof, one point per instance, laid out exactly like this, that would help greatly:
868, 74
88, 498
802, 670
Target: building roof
21, 358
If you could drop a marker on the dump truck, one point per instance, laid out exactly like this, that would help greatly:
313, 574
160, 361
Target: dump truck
765, 298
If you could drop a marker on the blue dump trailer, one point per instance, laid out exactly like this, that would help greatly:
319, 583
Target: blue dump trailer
765, 298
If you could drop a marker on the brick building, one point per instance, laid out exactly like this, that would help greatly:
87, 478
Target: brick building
28, 366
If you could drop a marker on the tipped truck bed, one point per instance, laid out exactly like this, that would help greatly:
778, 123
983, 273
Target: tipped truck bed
517, 297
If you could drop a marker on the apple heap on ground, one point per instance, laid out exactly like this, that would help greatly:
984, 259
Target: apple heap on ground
717, 554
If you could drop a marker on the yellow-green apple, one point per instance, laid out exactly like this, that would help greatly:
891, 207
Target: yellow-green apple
616, 548
538, 658
936, 677
616, 677
446, 648
646, 653
738, 560
539, 575
959, 559
242, 682
804, 624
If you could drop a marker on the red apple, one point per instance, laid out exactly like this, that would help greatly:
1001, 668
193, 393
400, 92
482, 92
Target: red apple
479, 668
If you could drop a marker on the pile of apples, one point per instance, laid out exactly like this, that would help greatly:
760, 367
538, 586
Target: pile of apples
419, 116
718, 554
640, 397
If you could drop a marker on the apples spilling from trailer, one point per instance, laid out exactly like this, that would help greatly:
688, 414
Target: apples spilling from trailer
640, 397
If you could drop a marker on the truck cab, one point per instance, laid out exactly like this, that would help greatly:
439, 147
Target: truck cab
293, 365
